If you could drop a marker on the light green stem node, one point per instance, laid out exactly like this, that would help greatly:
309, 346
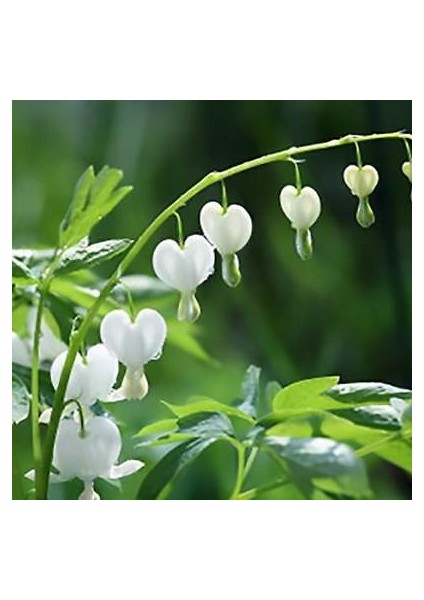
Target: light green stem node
231, 270
188, 308
303, 243
364, 214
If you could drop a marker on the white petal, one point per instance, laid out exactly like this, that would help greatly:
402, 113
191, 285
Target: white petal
100, 373
361, 180
184, 268
45, 416
50, 345
229, 231
128, 467
134, 343
21, 354
75, 383
303, 208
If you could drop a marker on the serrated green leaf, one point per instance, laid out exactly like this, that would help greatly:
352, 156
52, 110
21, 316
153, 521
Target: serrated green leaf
170, 466
306, 394
20, 400
201, 404
250, 387
78, 257
79, 199
21, 274
366, 392
375, 416
308, 459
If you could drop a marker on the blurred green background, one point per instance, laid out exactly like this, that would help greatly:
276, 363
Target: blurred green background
346, 312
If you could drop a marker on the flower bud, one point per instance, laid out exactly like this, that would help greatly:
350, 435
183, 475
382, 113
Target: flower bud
361, 180
89, 493
407, 169
302, 207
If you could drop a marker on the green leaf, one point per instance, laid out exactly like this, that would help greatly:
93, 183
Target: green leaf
272, 388
306, 394
81, 296
182, 336
84, 257
201, 404
94, 197
375, 416
398, 452
158, 427
21, 274
141, 288
170, 466
366, 392
206, 425
250, 387
24, 374
308, 459
20, 400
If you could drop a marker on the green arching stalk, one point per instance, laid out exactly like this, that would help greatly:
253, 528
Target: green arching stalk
80, 413
408, 149
241, 453
139, 244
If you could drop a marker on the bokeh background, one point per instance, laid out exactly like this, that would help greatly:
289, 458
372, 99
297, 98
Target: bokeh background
346, 312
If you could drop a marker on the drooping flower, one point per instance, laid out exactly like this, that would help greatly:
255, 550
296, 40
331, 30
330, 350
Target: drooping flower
134, 344
89, 454
302, 208
362, 181
49, 348
184, 269
229, 230
91, 378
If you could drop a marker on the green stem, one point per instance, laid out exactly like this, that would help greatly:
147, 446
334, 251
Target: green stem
358, 155
224, 197
35, 393
297, 176
135, 249
180, 230
253, 492
80, 412
366, 450
241, 453
408, 149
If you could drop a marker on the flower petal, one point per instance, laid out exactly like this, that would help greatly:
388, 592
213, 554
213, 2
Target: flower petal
21, 354
229, 231
75, 383
100, 374
128, 467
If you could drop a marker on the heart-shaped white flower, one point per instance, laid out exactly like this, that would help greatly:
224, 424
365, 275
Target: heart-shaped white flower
91, 378
134, 344
90, 455
184, 268
228, 230
301, 208
407, 169
361, 180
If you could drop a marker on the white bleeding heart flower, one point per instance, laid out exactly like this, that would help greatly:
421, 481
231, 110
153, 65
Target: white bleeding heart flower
89, 455
50, 346
185, 268
302, 207
91, 378
228, 230
134, 344
407, 169
361, 180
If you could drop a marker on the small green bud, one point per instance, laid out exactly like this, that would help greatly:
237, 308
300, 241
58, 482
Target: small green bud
231, 270
364, 213
303, 243
188, 308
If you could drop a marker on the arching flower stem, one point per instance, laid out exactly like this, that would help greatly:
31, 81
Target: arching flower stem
42, 478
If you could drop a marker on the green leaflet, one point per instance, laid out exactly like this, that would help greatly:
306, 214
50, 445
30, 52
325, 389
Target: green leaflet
94, 197
21, 274
369, 392
375, 416
250, 387
306, 394
201, 404
83, 257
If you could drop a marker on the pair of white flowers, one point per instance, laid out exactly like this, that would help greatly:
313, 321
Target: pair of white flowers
184, 267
